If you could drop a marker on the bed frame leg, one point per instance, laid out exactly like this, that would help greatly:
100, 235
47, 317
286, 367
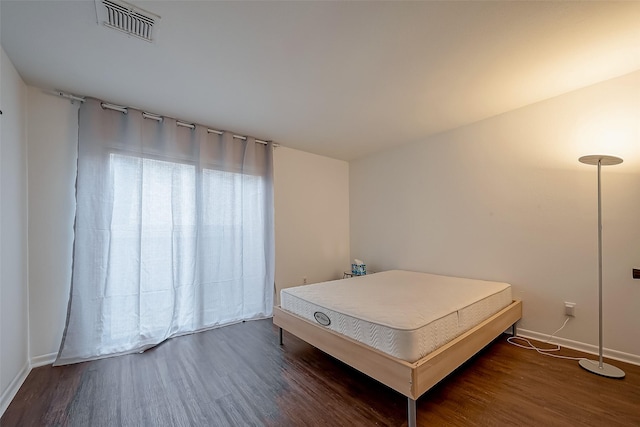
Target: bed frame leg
280, 336
411, 413
514, 329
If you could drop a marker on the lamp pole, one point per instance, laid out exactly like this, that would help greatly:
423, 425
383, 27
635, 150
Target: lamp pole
600, 368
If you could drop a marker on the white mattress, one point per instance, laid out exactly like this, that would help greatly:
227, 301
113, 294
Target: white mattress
401, 313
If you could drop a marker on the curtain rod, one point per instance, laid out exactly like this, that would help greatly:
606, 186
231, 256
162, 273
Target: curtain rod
146, 115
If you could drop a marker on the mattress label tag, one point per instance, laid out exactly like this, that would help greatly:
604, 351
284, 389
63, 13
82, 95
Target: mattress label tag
322, 318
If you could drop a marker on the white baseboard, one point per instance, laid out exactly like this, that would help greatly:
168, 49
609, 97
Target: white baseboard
587, 348
11, 391
45, 359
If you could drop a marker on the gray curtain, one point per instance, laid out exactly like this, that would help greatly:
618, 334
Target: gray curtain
173, 233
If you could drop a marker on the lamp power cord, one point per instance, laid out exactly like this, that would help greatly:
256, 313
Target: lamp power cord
544, 351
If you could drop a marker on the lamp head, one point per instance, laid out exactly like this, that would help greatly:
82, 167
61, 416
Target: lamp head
603, 159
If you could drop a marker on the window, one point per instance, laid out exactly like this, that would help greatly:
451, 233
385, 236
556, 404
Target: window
173, 233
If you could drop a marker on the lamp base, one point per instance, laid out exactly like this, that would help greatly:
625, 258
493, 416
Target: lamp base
606, 370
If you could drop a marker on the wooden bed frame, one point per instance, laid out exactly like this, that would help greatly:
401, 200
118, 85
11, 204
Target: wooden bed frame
409, 379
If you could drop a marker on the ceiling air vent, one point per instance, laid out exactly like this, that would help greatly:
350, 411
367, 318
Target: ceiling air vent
127, 18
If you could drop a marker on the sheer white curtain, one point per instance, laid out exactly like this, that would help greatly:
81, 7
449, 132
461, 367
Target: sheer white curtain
173, 233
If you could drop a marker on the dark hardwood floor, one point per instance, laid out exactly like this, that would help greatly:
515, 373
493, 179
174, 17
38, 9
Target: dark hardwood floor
239, 376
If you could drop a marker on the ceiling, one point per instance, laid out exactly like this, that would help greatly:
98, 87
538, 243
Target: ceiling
341, 79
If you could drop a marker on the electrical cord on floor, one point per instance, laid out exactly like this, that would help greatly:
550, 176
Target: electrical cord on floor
543, 351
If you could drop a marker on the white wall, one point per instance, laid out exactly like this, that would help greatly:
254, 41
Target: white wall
52, 152
312, 217
506, 199
14, 327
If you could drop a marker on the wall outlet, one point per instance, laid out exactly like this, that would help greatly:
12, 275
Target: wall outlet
304, 280
570, 309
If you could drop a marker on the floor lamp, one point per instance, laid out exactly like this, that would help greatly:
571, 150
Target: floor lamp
598, 366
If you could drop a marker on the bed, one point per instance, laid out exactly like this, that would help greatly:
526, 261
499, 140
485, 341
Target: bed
407, 330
